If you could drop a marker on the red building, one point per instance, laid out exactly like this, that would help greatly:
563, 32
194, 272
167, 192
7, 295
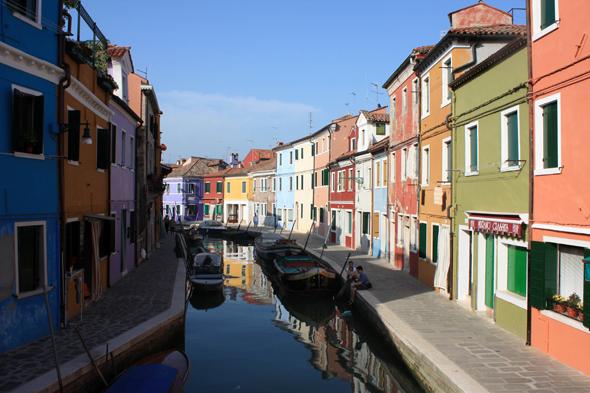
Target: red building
402, 87
257, 155
213, 195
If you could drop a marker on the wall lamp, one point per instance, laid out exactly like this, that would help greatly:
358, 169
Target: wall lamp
63, 128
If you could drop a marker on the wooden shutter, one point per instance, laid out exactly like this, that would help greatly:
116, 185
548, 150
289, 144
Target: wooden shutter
422, 240
512, 131
537, 277
435, 230
517, 270
38, 123
550, 152
547, 13
114, 144
313, 150
375, 224
102, 148
74, 135
296, 154
473, 150
489, 291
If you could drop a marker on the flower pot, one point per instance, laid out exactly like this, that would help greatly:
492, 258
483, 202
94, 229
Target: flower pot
560, 308
28, 149
572, 312
581, 316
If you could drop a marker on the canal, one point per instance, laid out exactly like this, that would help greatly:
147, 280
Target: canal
252, 337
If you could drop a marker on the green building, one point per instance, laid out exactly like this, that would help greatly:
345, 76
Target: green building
490, 188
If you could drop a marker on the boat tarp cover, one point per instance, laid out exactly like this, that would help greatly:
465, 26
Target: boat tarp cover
148, 378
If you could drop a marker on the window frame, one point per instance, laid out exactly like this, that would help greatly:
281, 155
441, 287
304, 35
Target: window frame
468, 128
425, 88
36, 96
446, 92
539, 135
425, 177
43, 259
36, 22
505, 166
538, 32
244, 187
446, 149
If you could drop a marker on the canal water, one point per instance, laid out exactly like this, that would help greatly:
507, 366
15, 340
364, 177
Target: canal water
252, 337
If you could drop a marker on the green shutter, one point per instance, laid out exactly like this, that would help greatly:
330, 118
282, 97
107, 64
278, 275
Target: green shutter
517, 270
74, 136
311, 212
365, 223
206, 210
547, 13
422, 241
435, 230
489, 291
537, 277
473, 151
311, 180
313, 150
586, 295
550, 152
512, 128
296, 154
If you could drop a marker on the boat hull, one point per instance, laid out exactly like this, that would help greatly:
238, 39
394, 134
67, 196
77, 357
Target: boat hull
305, 276
207, 282
273, 251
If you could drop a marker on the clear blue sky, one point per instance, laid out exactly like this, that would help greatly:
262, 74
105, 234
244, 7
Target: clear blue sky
235, 74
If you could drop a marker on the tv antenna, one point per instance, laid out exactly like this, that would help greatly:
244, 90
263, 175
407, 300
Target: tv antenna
376, 92
354, 94
143, 72
310, 122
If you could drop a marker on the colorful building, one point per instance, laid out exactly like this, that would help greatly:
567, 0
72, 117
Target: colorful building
30, 221
560, 213
237, 197
321, 155
303, 174
490, 187
263, 178
284, 187
476, 33
403, 89
379, 159
213, 195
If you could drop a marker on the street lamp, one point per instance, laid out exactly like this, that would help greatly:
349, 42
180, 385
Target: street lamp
63, 128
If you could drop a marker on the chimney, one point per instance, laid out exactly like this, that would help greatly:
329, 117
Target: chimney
234, 160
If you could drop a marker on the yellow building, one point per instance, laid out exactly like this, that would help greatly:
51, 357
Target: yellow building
237, 198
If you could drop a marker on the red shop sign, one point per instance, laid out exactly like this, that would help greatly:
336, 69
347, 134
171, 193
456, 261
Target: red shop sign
500, 225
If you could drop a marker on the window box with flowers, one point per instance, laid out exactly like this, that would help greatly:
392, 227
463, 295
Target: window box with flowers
155, 183
107, 82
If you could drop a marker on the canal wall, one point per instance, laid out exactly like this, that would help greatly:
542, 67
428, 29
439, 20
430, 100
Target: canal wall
154, 335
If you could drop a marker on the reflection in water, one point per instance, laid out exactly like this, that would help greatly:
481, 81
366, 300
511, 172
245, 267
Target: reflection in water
336, 350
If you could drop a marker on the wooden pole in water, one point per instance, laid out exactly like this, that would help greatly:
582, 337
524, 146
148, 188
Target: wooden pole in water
325, 246
348, 280
61, 388
308, 234
90, 356
292, 229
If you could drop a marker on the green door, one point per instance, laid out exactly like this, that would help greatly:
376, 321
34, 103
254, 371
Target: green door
489, 271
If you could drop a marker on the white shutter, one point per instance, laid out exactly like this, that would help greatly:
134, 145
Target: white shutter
571, 272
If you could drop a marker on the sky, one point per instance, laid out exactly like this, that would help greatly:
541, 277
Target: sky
234, 75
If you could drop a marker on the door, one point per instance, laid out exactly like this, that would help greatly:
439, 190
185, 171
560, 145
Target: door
232, 214
489, 300
465, 266
407, 240
123, 239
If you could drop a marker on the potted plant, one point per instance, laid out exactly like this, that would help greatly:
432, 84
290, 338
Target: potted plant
572, 305
580, 308
28, 140
558, 303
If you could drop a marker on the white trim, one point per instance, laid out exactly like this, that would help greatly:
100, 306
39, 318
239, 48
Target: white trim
467, 128
559, 228
425, 170
504, 166
43, 280
445, 160
83, 95
538, 114
512, 298
425, 108
445, 83
24, 62
536, 16
566, 242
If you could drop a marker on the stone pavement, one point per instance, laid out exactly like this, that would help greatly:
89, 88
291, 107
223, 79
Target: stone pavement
133, 305
455, 348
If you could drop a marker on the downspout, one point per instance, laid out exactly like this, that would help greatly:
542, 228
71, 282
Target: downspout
418, 168
372, 209
531, 173
387, 200
313, 182
470, 63
63, 84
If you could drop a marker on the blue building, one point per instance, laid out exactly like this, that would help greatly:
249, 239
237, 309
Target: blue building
285, 194
29, 214
380, 184
183, 198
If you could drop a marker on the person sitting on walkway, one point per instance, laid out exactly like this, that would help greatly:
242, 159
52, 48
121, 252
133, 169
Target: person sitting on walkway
350, 271
362, 283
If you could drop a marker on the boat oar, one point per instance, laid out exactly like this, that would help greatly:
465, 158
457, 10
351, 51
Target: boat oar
293, 226
308, 234
61, 388
325, 245
90, 356
345, 285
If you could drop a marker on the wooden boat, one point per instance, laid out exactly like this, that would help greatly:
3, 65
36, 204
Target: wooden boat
212, 228
207, 271
304, 275
273, 245
165, 372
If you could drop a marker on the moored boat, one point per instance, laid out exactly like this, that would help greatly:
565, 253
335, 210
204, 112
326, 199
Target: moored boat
163, 372
212, 228
207, 271
273, 245
304, 275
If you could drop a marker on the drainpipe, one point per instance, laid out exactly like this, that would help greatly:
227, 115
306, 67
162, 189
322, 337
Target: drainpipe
372, 208
531, 177
313, 182
452, 235
470, 63
63, 84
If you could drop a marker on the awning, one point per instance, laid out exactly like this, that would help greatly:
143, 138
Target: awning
499, 224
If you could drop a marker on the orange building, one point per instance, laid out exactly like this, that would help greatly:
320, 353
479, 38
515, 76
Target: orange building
476, 32
560, 215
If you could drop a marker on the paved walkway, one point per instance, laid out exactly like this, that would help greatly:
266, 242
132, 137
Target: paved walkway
463, 350
138, 302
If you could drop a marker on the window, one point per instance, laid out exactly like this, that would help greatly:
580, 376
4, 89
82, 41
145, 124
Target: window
280, 184
425, 96
471, 149
312, 149
191, 210
296, 154
290, 183
404, 168
30, 256
297, 182
548, 135
366, 222
447, 160
377, 174
363, 138
376, 225
510, 139
413, 228
228, 187
243, 187
404, 100
352, 144
415, 90
384, 172
545, 15
219, 187
123, 147
434, 253
317, 147
206, 210
302, 182
113, 143
447, 77
571, 270
422, 241
400, 230
191, 188
254, 185
207, 187
349, 219
131, 153
333, 181
425, 165
302, 153
178, 210
27, 10
370, 178
73, 135
103, 160
315, 179
178, 188
274, 184
280, 159
516, 274
350, 179
321, 214
291, 157
323, 145
393, 167
381, 129
106, 240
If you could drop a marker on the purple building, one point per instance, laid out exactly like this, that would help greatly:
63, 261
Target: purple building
123, 153
183, 199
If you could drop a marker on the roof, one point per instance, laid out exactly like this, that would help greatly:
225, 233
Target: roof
491, 31
419, 51
478, 4
345, 117
266, 165
344, 156
500, 55
422, 50
376, 117
382, 144
199, 168
120, 52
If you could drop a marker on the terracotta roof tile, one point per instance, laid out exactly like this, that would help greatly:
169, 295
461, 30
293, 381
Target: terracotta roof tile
376, 117
421, 50
199, 168
490, 30
118, 51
